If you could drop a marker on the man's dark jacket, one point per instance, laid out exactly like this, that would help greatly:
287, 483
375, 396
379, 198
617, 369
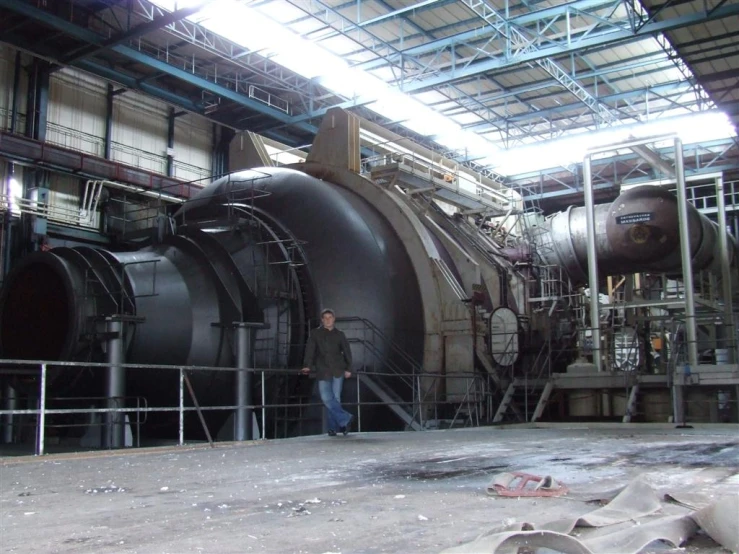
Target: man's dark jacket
328, 353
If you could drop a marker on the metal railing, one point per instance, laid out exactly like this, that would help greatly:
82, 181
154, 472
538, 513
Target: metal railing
474, 399
43, 410
423, 385
451, 178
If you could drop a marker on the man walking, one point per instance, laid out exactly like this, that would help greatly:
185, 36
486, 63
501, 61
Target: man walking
328, 352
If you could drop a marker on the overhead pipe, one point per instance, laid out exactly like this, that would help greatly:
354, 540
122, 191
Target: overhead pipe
637, 232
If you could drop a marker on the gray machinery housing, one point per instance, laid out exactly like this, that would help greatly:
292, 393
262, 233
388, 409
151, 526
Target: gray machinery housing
272, 247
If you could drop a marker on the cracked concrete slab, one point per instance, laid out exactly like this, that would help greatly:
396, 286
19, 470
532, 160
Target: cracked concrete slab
365, 493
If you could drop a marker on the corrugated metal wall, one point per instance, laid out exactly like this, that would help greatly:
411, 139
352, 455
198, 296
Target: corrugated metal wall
7, 67
140, 132
6, 85
76, 120
193, 142
76, 117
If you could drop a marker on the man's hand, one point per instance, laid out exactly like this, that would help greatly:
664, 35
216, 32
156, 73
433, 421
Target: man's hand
347, 374
305, 371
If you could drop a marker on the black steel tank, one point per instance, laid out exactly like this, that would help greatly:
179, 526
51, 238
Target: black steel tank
268, 246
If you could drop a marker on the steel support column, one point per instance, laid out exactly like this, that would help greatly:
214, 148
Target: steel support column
10, 402
108, 120
31, 99
115, 386
37, 103
691, 332
687, 258
244, 381
728, 329
170, 142
592, 264
16, 88
214, 171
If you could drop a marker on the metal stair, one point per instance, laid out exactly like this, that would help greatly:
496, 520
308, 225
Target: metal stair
391, 399
518, 393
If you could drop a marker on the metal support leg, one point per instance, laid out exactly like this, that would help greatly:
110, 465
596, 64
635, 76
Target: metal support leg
182, 407
687, 266
264, 408
359, 405
42, 413
244, 383
115, 429
10, 403
728, 330
592, 264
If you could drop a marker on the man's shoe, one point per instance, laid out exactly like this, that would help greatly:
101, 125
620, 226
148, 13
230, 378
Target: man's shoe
332, 433
346, 428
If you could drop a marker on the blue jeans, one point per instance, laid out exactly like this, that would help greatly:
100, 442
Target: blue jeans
330, 392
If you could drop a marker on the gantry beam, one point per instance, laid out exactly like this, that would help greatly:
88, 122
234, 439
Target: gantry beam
505, 54
50, 20
138, 31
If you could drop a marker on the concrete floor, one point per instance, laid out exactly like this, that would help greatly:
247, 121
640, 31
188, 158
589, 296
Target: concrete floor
394, 492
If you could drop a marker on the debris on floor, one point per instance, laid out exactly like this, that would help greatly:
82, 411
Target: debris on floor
636, 505
518, 484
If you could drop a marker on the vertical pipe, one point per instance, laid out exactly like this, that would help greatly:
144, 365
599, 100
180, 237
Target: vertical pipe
10, 403
592, 264
115, 386
42, 412
170, 143
244, 401
729, 343
182, 407
108, 121
16, 87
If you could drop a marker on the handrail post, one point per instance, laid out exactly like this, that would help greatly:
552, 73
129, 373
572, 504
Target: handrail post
264, 410
182, 407
420, 401
359, 406
42, 412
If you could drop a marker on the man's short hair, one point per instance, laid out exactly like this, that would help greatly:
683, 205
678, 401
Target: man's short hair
328, 311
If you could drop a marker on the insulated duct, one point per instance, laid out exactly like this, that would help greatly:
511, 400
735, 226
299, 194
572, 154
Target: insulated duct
637, 232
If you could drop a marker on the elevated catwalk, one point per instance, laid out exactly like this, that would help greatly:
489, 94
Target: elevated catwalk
393, 492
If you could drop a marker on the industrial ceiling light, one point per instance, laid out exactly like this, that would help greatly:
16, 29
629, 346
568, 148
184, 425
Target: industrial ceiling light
564, 152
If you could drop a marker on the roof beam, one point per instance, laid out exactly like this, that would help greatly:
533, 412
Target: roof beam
609, 36
397, 13
110, 74
139, 31
484, 33
81, 33
523, 43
